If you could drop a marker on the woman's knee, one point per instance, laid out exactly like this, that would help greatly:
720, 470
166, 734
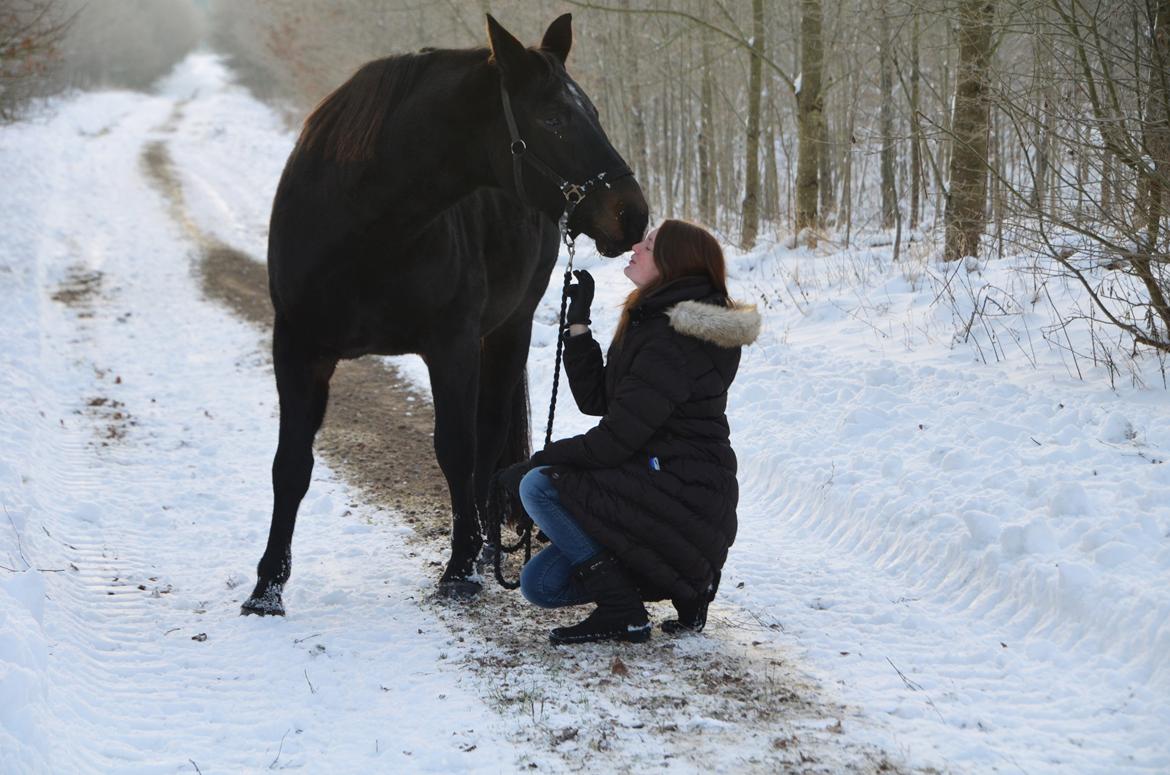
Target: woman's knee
534, 488
532, 588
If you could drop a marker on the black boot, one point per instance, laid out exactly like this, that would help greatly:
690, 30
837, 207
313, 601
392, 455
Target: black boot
619, 615
692, 614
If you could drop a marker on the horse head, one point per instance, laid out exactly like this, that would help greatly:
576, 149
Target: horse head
553, 152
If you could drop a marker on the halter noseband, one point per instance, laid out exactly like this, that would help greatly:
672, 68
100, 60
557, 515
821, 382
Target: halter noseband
573, 193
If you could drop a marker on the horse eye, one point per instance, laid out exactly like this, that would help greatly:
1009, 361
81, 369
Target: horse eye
552, 122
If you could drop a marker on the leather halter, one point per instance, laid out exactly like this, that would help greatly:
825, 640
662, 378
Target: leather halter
574, 193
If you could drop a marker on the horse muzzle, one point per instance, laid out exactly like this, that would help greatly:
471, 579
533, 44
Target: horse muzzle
614, 217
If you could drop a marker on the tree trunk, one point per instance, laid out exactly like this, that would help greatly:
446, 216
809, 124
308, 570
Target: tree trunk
751, 195
638, 120
886, 67
915, 126
771, 177
847, 171
810, 109
1044, 79
825, 163
967, 199
1156, 139
706, 140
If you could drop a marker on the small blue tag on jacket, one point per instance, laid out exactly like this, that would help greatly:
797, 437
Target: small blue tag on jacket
654, 464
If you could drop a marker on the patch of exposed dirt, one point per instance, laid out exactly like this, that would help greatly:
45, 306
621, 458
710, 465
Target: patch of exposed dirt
111, 417
79, 289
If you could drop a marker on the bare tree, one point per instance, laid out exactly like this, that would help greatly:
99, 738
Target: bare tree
967, 199
751, 196
706, 149
888, 184
915, 122
811, 110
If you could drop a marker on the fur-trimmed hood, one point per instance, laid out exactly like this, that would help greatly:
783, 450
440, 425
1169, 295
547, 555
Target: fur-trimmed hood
723, 326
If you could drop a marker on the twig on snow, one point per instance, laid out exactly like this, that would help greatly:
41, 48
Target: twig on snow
196, 766
310, 683
19, 546
279, 749
916, 687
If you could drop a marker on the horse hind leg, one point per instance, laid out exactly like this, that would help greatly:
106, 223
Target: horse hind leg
302, 382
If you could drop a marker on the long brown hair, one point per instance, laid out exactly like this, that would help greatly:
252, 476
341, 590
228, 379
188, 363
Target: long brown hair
681, 249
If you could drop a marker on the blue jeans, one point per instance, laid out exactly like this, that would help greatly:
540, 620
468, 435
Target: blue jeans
547, 578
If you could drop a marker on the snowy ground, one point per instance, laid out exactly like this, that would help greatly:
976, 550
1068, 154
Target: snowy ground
952, 535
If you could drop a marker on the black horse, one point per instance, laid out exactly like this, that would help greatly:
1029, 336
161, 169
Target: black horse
418, 213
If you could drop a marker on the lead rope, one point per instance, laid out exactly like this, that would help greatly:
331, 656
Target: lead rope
571, 247
498, 507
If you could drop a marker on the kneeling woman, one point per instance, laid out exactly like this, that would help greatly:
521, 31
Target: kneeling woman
642, 507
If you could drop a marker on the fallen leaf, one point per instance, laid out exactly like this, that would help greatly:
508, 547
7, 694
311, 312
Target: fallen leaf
618, 667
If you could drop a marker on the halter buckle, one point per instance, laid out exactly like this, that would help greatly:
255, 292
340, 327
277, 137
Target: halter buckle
574, 193
518, 147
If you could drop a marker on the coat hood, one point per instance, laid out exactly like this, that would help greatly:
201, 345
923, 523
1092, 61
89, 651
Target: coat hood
722, 326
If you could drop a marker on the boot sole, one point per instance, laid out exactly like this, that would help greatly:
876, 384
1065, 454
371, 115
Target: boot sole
621, 636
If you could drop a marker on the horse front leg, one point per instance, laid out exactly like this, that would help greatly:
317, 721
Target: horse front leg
454, 372
302, 382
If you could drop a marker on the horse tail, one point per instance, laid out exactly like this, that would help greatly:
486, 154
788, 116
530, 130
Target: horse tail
502, 507
519, 444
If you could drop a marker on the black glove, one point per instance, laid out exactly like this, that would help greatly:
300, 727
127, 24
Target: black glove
510, 477
581, 294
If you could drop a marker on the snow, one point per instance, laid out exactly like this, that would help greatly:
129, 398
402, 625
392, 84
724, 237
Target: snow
949, 530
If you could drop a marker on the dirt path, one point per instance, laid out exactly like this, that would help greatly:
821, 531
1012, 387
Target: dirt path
723, 700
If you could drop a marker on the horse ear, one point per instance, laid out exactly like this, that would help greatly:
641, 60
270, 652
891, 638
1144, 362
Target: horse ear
508, 53
558, 38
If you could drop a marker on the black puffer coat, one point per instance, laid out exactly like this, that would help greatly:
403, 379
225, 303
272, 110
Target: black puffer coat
654, 482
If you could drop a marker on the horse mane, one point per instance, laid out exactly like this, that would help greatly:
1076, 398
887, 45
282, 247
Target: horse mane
345, 125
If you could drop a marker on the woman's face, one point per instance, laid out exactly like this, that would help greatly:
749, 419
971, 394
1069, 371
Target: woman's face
642, 270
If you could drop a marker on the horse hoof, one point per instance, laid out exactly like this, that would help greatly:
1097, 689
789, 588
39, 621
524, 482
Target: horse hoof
260, 608
265, 601
458, 589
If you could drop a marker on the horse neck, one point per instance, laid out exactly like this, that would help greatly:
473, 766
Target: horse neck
440, 153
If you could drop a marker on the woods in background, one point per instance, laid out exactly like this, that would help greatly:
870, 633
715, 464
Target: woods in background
987, 125
48, 46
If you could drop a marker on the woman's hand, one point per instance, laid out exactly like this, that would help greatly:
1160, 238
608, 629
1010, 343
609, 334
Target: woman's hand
510, 477
581, 293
